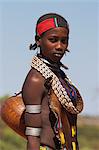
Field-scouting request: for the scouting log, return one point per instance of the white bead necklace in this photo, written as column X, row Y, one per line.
column 56, row 85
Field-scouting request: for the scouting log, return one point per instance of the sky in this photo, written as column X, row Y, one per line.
column 17, row 31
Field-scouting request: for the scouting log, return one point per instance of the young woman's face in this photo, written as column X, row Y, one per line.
column 54, row 43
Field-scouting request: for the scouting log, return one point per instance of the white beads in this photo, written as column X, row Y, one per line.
column 57, row 87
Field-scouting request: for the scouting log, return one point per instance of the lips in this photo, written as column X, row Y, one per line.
column 58, row 54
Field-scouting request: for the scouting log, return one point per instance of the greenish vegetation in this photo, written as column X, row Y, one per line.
column 88, row 136
column 9, row 140
column 3, row 98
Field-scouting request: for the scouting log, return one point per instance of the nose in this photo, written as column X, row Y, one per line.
column 59, row 46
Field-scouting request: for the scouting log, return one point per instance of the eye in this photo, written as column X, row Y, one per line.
column 64, row 41
column 53, row 39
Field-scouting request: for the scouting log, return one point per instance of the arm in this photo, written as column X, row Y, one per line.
column 33, row 92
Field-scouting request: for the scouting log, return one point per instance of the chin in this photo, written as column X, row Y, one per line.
column 56, row 60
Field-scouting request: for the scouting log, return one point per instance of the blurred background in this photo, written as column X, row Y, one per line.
column 17, row 30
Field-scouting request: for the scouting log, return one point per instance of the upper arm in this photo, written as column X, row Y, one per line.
column 33, row 88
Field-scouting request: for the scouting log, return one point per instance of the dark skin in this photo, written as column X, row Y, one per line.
column 53, row 45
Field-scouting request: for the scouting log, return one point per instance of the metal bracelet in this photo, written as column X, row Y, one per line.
column 32, row 131
column 33, row 108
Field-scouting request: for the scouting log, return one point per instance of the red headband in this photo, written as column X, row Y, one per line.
column 46, row 25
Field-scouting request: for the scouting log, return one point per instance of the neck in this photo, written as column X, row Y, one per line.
column 56, row 64
column 49, row 61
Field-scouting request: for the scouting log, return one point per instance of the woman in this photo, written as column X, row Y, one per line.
column 52, row 102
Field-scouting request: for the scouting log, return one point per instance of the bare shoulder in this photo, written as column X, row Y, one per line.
column 33, row 87
column 35, row 77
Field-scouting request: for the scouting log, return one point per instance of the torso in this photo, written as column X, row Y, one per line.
column 49, row 116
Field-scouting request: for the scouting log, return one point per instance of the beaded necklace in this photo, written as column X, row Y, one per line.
column 57, row 87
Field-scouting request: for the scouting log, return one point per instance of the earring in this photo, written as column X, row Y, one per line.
column 38, row 49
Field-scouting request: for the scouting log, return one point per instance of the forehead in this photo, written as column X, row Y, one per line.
column 59, row 31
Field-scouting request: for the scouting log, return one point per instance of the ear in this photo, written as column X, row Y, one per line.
column 38, row 40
